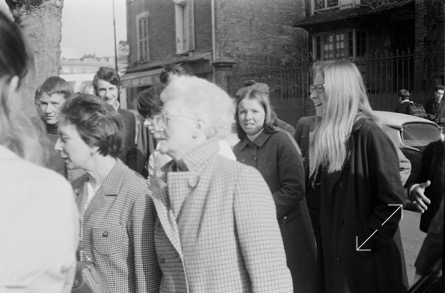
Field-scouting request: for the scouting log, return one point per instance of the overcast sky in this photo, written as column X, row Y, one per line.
column 87, row 26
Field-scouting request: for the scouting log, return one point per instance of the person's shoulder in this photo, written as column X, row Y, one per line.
column 307, row 120
column 280, row 136
column 34, row 178
column 368, row 126
column 134, row 180
column 126, row 114
column 228, row 167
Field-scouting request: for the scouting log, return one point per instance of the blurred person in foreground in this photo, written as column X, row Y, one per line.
column 107, row 86
column 276, row 156
column 116, row 213
column 38, row 217
column 357, row 185
column 49, row 98
column 216, row 229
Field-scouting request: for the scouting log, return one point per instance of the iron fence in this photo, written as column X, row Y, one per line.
column 384, row 75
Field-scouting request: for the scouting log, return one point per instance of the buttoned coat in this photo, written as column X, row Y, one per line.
column 118, row 231
column 216, row 229
column 278, row 160
column 358, row 219
column 129, row 152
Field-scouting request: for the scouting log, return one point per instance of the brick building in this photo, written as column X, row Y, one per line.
column 396, row 43
column 209, row 38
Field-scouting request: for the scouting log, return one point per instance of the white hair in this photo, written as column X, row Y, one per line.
column 204, row 100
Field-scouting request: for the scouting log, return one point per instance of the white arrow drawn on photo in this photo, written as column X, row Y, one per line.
column 358, row 248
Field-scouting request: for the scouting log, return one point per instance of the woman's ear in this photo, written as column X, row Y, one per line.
column 199, row 128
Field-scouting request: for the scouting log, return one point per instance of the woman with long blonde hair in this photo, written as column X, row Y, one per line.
column 357, row 185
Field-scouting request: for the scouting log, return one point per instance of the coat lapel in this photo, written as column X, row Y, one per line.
column 165, row 215
column 97, row 201
column 108, row 190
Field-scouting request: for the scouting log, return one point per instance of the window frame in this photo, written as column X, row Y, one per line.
column 184, row 26
column 340, row 49
column 143, row 56
column 325, row 5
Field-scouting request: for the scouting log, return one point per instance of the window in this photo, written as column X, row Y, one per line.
column 340, row 44
column 324, row 4
column 184, row 25
column 142, row 21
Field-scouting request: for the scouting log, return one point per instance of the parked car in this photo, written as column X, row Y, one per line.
column 411, row 134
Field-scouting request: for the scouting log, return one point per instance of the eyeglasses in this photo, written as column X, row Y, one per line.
column 164, row 117
column 319, row 88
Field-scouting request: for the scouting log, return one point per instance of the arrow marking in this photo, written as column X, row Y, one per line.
column 400, row 207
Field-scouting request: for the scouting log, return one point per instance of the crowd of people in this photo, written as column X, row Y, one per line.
column 214, row 194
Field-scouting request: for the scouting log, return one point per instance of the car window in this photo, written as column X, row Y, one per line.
column 419, row 134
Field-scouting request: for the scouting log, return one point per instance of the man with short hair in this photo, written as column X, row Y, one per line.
column 107, row 86
column 404, row 102
column 435, row 107
column 49, row 98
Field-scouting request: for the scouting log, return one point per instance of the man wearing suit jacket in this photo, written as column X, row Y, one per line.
column 107, row 85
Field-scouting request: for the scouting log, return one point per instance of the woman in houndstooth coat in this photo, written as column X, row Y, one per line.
column 117, row 215
column 216, row 229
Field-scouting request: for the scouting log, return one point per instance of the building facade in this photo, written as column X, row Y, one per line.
column 208, row 38
column 395, row 43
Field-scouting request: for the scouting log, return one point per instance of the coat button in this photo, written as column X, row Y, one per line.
column 105, row 234
column 254, row 158
column 285, row 218
column 338, row 260
column 342, row 184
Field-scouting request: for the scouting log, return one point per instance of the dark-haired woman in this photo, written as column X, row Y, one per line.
column 275, row 154
column 117, row 215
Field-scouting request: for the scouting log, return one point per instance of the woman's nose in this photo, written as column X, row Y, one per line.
column 58, row 145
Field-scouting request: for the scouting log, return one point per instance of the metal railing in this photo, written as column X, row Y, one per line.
column 384, row 75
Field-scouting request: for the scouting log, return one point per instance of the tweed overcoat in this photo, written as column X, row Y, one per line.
column 432, row 168
column 278, row 160
column 118, row 231
column 129, row 152
column 217, row 229
column 357, row 202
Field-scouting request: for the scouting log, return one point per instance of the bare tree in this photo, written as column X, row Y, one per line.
column 41, row 22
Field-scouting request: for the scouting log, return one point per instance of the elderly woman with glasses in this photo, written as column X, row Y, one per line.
column 216, row 229
column 116, row 213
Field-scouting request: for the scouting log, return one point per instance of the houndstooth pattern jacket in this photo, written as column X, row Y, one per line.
column 217, row 229
column 118, row 231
